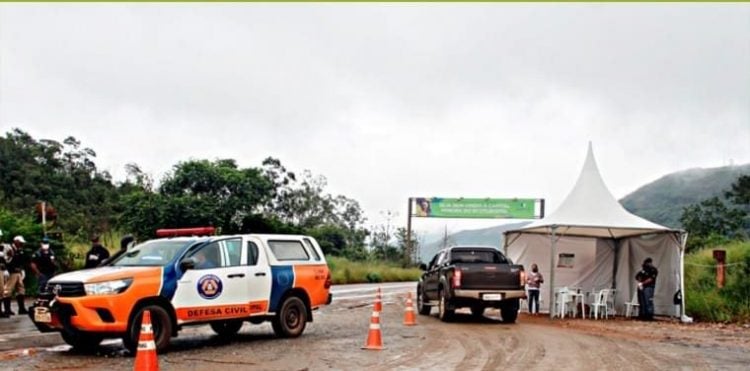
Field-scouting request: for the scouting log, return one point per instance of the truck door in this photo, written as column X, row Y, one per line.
column 223, row 284
column 432, row 276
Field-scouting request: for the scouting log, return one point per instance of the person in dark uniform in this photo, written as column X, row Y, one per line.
column 646, row 278
column 96, row 255
column 43, row 264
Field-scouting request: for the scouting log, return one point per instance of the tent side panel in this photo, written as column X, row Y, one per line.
column 665, row 252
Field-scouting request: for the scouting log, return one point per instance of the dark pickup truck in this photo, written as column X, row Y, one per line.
column 474, row 277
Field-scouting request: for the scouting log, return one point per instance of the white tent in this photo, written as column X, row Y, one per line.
column 592, row 242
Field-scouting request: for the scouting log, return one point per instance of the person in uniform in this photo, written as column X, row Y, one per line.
column 43, row 264
column 646, row 278
column 14, row 261
column 96, row 255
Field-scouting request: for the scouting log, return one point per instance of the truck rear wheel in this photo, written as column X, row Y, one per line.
column 444, row 313
column 422, row 307
column 80, row 340
column 291, row 319
column 226, row 329
column 161, row 323
column 509, row 311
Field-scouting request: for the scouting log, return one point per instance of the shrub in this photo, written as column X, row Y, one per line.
column 704, row 300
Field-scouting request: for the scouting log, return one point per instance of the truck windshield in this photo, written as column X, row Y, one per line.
column 152, row 253
column 477, row 257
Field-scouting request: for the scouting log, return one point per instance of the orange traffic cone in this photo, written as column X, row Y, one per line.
column 374, row 337
column 145, row 357
column 378, row 306
column 409, row 317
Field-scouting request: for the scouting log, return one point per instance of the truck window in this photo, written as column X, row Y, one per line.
column 234, row 251
column 442, row 259
column 252, row 253
column 288, row 250
column 312, row 248
column 207, row 256
column 477, row 257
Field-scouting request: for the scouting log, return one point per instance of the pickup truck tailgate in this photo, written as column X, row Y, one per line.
column 490, row 276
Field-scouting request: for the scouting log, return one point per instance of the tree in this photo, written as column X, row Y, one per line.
column 740, row 192
column 199, row 193
column 62, row 174
column 711, row 219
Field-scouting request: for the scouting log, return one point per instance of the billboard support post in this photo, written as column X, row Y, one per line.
column 409, row 245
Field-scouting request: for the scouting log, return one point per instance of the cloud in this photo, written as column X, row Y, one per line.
column 389, row 100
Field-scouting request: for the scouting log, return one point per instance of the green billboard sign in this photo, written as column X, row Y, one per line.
column 490, row 208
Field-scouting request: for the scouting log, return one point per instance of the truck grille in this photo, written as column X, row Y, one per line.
column 66, row 289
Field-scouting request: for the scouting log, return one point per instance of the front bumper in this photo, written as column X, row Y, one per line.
column 86, row 313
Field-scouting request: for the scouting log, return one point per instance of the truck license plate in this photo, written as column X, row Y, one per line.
column 492, row 297
column 42, row 315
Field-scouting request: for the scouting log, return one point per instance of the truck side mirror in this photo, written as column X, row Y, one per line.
column 423, row 266
column 187, row 263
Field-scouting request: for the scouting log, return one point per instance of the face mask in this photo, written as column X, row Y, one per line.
column 45, row 246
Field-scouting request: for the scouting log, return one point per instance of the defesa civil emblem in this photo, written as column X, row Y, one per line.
column 209, row 286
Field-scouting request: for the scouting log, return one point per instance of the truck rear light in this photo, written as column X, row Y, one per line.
column 457, row 278
column 327, row 284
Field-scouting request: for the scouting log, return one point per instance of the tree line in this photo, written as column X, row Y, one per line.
column 719, row 220
column 83, row 200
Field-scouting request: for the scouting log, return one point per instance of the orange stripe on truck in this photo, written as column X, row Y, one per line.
column 193, row 314
column 146, row 283
column 312, row 279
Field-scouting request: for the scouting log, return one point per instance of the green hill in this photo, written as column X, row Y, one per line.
column 662, row 201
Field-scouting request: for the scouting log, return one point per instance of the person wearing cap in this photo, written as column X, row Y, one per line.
column 43, row 264
column 96, row 255
column 646, row 278
column 15, row 264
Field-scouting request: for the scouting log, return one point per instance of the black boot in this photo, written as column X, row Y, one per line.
column 6, row 307
column 21, row 304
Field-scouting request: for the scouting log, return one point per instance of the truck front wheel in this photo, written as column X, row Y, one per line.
column 422, row 306
column 509, row 311
column 291, row 319
column 160, row 322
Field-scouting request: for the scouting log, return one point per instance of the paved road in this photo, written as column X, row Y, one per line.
column 334, row 339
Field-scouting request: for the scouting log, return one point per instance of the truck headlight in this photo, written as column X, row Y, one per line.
column 108, row 287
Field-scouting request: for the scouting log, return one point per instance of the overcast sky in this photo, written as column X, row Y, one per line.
column 389, row 101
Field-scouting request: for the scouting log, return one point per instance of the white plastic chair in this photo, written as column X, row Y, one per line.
column 633, row 303
column 601, row 302
column 562, row 300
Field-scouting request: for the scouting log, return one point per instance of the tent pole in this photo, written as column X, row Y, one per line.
column 552, row 275
column 616, row 262
column 683, row 244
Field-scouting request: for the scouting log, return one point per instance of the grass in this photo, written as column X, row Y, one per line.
column 345, row 271
column 704, row 300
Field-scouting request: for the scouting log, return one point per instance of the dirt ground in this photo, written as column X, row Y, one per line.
column 334, row 340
